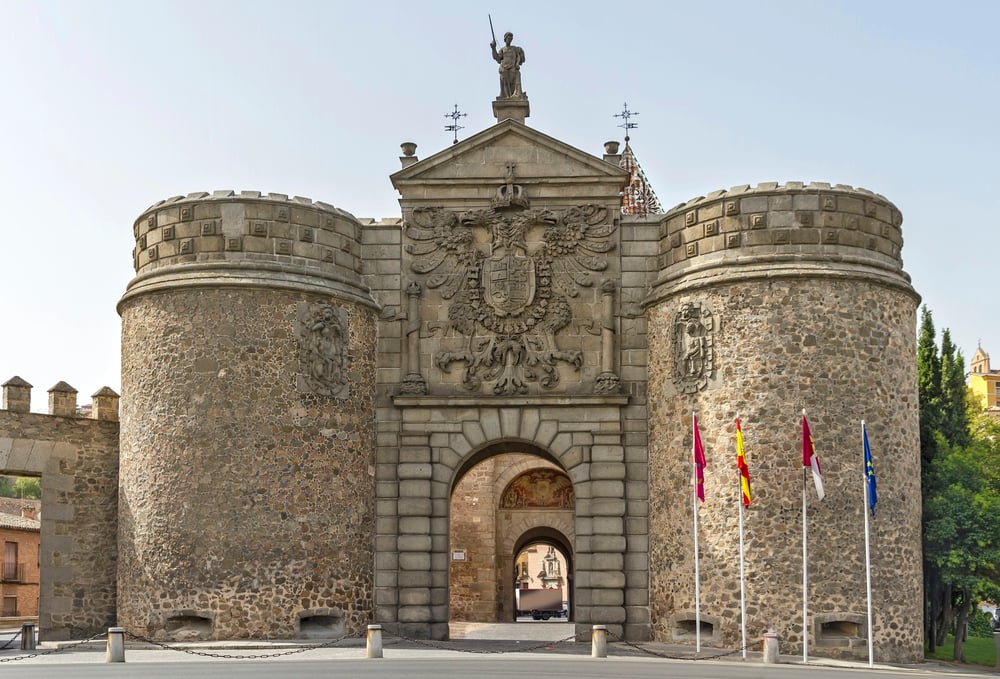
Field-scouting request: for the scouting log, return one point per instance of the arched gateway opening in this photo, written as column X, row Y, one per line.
column 511, row 535
column 447, row 539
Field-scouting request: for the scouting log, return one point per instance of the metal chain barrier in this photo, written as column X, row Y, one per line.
column 668, row 656
column 231, row 656
column 54, row 650
column 442, row 647
column 10, row 641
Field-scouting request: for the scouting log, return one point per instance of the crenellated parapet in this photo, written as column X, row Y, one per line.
column 774, row 229
column 61, row 402
column 248, row 239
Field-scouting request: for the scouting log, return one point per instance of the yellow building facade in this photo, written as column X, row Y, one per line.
column 985, row 383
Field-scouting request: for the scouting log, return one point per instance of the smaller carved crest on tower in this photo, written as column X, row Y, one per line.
column 694, row 347
column 322, row 334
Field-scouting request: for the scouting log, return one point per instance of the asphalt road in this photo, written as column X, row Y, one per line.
column 435, row 664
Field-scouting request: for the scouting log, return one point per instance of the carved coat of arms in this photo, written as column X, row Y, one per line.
column 694, row 347
column 322, row 333
column 509, row 298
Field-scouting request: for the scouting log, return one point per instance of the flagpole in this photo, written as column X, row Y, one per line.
column 743, row 597
column 805, row 576
column 694, row 509
column 868, row 554
column 805, row 569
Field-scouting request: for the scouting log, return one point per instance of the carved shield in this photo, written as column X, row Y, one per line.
column 509, row 282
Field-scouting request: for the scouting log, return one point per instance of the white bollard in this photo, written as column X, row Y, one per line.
column 599, row 642
column 771, row 643
column 116, row 645
column 373, row 648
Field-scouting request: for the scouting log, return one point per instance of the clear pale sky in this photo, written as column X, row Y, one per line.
column 109, row 107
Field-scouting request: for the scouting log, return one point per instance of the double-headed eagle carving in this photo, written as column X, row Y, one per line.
column 510, row 295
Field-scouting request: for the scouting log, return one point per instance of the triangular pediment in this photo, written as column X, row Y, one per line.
column 485, row 156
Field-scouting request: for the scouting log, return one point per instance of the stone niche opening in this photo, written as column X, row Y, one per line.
column 322, row 623
column 189, row 625
column 841, row 629
column 685, row 628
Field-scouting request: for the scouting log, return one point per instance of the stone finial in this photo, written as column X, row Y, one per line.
column 62, row 400
column 16, row 395
column 611, row 154
column 409, row 154
column 105, row 405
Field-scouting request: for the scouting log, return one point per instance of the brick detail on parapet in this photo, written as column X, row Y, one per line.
column 782, row 227
column 249, row 225
column 226, row 229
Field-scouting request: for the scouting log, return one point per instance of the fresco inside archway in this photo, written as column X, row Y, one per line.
column 539, row 489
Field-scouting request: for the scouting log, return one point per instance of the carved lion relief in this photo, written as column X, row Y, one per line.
column 321, row 331
column 694, row 347
column 510, row 296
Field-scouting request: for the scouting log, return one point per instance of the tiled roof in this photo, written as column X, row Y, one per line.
column 18, row 522
column 639, row 198
column 13, row 505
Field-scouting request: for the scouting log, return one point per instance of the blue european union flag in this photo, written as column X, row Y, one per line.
column 869, row 471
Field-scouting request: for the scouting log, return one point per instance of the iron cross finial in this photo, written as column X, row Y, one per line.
column 625, row 115
column 454, row 127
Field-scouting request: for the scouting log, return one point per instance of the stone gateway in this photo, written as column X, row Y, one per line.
column 328, row 422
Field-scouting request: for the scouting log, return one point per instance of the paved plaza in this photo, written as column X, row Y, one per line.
column 476, row 649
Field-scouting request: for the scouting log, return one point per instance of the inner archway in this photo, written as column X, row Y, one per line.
column 543, row 577
column 500, row 505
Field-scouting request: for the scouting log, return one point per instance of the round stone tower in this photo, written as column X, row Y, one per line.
column 248, row 369
column 770, row 301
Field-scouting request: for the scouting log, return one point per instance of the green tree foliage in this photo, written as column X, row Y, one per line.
column 962, row 522
column 960, row 484
column 928, row 385
column 22, row 487
column 929, row 392
column 954, row 396
column 28, row 488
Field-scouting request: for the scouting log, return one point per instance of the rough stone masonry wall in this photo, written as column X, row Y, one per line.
column 247, row 494
column 813, row 317
column 77, row 460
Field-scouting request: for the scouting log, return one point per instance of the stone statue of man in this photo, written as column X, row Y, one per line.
column 510, row 57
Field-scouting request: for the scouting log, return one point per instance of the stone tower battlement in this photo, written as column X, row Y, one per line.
column 271, row 239
column 767, row 302
column 781, row 229
column 249, row 328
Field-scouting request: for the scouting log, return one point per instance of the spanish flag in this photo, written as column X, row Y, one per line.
column 741, row 464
